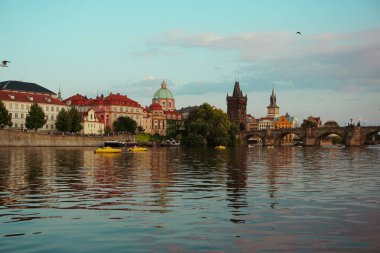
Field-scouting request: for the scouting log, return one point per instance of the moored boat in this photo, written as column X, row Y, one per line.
column 136, row 149
column 220, row 147
column 108, row 150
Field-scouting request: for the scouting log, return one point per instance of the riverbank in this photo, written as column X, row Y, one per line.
column 9, row 138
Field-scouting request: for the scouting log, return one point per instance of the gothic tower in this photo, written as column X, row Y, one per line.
column 273, row 109
column 237, row 107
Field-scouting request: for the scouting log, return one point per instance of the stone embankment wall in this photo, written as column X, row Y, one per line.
column 22, row 139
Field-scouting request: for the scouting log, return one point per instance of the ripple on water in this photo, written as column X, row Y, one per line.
column 183, row 200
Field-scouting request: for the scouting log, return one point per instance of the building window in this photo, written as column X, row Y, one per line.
column 47, row 127
column 10, row 105
column 52, row 117
column 52, row 109
column 15, row 124
column 16, row 115
column 170, row 104
column 47, row 108
column 52, row 126
column 22, row 106
column 22, row 115
column 57, row 109
column 16, row 106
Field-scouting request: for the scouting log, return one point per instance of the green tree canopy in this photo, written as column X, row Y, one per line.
column 69, row 121
column 35, row 118
column 5, row 116
column 125, row 124
column 172, row 128
column 75, row 120
column 207, row 125
column 63, row 122
column 308, row 124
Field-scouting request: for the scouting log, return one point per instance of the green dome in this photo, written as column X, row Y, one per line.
column 163, row 93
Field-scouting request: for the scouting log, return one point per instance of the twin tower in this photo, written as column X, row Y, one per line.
column 237, row 107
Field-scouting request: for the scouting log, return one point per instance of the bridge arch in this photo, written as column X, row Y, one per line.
column 254, row 139
column 327, row 133
column 295, row 135
column 371, row 136
column 248, row 135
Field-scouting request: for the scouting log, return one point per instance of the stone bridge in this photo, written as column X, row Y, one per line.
column 352, row 135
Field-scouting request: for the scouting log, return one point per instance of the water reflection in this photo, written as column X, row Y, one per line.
column 237, row 181
column 191, row 199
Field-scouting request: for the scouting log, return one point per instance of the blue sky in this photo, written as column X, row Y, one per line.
column 199, row 48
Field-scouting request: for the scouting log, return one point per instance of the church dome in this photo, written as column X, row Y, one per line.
column 163, row 92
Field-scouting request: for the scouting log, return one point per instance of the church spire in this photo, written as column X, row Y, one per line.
column 273, row 99
column 59, row 93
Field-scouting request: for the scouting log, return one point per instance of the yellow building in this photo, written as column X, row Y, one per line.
column 286, row 122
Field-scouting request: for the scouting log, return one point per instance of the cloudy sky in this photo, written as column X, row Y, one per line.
column 200, row 47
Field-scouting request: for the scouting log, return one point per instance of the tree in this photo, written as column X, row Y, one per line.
column 140, row 129
column 172, row 128
column 75, row 120
column 35, row 118
column 207, row 125
column 63, row 122
column 5, row 116
column 232, row 132
column 125, row 124
column 69, row 121
column 308, row 124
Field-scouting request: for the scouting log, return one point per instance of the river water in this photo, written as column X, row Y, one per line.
column 286, row 199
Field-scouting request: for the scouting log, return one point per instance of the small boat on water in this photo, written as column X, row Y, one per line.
column 137, row 149
column 270, row 147
column 108, row 150
column 220, row 147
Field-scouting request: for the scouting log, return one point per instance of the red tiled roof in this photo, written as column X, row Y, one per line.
column 172, row 112
column 112, row 99
column 155, row 106
column 117, row 99
column 76, row 100
column 26, row 97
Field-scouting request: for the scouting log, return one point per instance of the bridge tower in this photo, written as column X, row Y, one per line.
column 237, row 107
column 273, row 109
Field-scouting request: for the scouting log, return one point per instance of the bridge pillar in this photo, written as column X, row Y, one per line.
column 268, row 140
column 353, row 136
column 310, row 138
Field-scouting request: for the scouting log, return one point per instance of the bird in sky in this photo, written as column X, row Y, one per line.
column 298, row 33
column 4, row 63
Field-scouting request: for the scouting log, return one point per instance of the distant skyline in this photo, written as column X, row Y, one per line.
column 199, row 47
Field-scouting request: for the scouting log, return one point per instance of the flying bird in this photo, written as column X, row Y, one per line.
column 298, row 33
column 4, row 63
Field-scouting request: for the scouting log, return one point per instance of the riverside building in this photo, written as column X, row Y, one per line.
column 158, row 118
column 18, row 96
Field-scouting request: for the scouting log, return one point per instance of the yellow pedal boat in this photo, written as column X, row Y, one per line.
column 108, row 150
column 136, row 149
column 220, row 147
